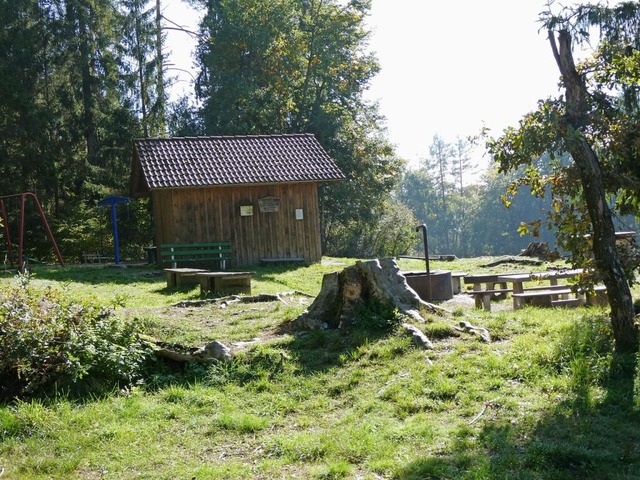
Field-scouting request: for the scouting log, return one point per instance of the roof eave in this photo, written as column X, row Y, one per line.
column 261, row 184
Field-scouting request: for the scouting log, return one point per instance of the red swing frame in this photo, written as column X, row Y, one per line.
column 7, row 236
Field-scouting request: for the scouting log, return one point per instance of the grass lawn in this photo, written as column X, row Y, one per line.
column 538, row 402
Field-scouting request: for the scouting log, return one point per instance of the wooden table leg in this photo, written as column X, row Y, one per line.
column 518, row 287
column 205, row 284
column 486, row 301
column 476, row 288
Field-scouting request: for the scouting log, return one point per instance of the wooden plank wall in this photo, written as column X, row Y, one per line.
column 213, row 214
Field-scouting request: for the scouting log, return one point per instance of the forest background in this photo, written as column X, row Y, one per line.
column 79, row 79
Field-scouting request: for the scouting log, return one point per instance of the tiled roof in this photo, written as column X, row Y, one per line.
column 212, row 161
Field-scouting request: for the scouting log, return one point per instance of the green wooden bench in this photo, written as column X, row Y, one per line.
column 178, row 253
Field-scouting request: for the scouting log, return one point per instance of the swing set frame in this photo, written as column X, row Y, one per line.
column 7, row 236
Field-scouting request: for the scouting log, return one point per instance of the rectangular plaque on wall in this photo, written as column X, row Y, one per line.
column 246, row 210
column 269, row 204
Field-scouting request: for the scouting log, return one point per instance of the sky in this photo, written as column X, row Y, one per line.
column 447, row 67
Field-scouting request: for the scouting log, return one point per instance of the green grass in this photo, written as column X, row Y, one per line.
column 555, row 402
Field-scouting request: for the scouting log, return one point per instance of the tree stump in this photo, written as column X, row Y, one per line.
column 343, row 292
column 537, row 249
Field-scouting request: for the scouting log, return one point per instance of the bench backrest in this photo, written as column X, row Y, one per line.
column 165, row 248
column 196, row 252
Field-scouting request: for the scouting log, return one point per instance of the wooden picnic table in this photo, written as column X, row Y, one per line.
column 489, row 280
column 519, row 279
column 482, row 295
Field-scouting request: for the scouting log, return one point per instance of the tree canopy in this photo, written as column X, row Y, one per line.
column 302, row 66
column 78, row 80
column 596, row 121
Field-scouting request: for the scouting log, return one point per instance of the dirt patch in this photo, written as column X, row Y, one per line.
column 466, row 302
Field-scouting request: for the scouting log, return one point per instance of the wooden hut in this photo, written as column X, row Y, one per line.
column 258, row 192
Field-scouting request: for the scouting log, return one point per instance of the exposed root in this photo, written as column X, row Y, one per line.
column 263, row 297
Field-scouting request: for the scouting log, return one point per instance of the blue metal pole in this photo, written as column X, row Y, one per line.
column 116, row 247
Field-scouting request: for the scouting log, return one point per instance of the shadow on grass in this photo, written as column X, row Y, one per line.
column 135, row 273
column 98, row 274
column 287, row 353
column 588, row 435
column 169, row 291
column 115, row 275
column 321, row 350
column 308, row 353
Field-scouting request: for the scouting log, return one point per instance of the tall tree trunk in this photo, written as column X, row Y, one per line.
column 141, row 70
column 160, row 123
column 607, row 260
column 313, row 13
column 88, row 100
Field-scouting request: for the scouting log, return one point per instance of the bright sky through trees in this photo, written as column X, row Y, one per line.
column 447, row 67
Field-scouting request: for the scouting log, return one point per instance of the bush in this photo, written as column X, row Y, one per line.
column 51, row 344
column 389, row 234
column 376, row 315
column 88, row 228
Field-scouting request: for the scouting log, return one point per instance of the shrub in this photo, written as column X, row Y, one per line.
column 391, row 232
column 51, row 344
column 377, row 315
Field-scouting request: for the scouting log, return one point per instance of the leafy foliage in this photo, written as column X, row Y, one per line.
column 52, row 345
column 611, row 74
column 596, row 122
column 79, row 80
column 375, row 315
column 471, row 219
column 302, row 66
column 390, row 234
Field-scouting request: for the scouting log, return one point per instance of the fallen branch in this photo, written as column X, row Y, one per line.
column 263, row 297
column 197, row 303
column 519, row 260
column 296, row 292
column 481, row 332
column 484, row 409
column 211, row 351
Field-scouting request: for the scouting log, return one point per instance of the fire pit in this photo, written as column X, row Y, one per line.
column 435, row 285
column 430, row 285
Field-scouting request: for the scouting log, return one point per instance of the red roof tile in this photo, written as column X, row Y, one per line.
column 210, row 161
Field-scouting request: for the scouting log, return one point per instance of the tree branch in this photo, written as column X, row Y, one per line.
column 554, row 49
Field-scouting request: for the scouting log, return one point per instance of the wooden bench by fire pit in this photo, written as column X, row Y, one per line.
column 182, row 277
column 225, row 283
column 559, row 297
column 483, row 297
